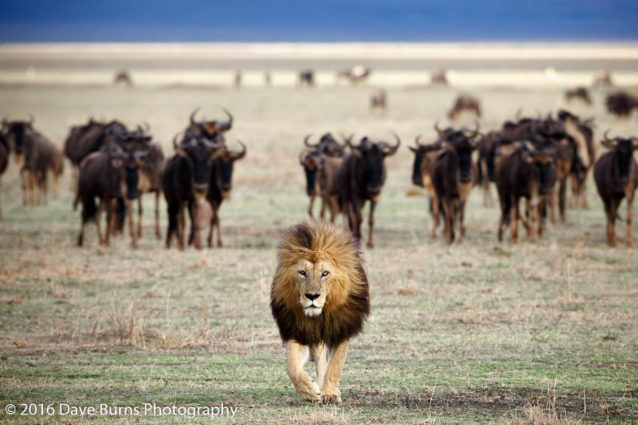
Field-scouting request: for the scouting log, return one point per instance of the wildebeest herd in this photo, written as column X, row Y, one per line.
column 528, row 158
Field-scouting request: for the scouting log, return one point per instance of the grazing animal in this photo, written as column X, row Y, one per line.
column 360, row 178
column 185, row 181
column 528, row 172
column 603, row 79
column 307, row 77
column 238, row 79
column 439, row 77
column 379, row 100
column 424, row 156
column 220, row 185
column 616, row 177
column 5, row 151
column 319, row 299
column 465, row 103
column 110, row 175
column 579, row 93
column 123, row 77
column 452, row 177
column 356, row 74
column 621, row 104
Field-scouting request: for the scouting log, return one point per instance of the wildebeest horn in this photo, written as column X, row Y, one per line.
column 519, row 111
column 417, row 141
column 474, row 133
column 391, row 150
column 240, row 154
column 306, row 141
column 175, row 141
column 192, row 117
column 229, row 123
column 347, row 141
column 146, row 126
column 438, row 130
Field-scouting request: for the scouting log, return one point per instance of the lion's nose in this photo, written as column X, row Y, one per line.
column 312, row 297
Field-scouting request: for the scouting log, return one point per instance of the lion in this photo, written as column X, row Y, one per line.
column 319, row 299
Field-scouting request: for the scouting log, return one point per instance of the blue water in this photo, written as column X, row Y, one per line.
column 318, row 20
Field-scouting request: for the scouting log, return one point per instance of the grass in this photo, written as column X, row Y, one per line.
column 474, row 333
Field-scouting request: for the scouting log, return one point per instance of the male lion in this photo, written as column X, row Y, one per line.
column 319, row 299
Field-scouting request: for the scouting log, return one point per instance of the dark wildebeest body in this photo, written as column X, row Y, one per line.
column 361, row 176
column 465, row 103
column 616, row 177
column 307, row 77
column 621, row 104
column 424, row 157
column 439, row 77
column 579, row 93
column 379, row 100
column 528, row 172
column 123, row 77
column 5, row 151
column 185, row 182
column 150, row 181
column 452, row 177
column 221, row 177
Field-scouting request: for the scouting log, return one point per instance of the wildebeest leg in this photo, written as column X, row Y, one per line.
column 194, row 236
column 322, row 214
column 610, row 211
column 356, row 206
column 211, row 227
column 24, row 177
column 181, row 228
column 630, row 201
column 562, row 195
column 219, row 230
column 574, row 184
column 504, row 212
column 583, row 191
column 534, row 207
column 106, row 204
column 158, row 231
column 334, row 208
column 371, row 224
column 448, row 216
column 462, row 220
column 139, row 216
column 44, row 186
column 312, row 202
column 56, row 185
column 436, row 211
column 173, row 224
column 131, row 222
column 514, row 221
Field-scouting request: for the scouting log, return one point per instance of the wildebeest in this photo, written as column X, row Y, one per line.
column 4, row 158
column 379, row 100
column 356, row 74
column 621, row 104
column 150, row 181
column 616, row 177
column 579, row 93
column 465, row 103
column 603, row 79
column 219, row 187
column 123, row 77
column 41, row 158
column 452, row 176
column 237, row 79
column 210, row 129
column 111, row 175
column 528, row 172
column 361, row 176
column 327, row 145
column 439, row 77
column 424, row 156
column 185, row 181
column 307, row 77
column 267, row 79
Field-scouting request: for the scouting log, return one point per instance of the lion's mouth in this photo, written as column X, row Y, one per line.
column 312, row 310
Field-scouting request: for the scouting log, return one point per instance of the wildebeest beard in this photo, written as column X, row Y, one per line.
column 132, row 179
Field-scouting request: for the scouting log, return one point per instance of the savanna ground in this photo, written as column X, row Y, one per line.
column 480, row 332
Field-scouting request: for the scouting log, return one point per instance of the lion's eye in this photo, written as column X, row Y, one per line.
column 325, row 273
column 302, row 272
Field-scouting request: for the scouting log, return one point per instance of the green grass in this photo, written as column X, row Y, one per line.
column 480, row 332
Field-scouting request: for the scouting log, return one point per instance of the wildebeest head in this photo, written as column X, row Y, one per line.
column 15, row 132
column 210, row 129
column 464, row 142
column 420, row 165
column 135, row 146
column 373, row 155
column 623, row 149
column 327, row 145
column 200, row 152
column 311, row 161
column 224, row 168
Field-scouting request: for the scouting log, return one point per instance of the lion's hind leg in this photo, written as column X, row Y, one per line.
column 330, row 389
column 297, row 355
column 319, row 356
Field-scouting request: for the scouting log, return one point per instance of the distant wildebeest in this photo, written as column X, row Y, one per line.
column 185, row 182
column 379, row 100
column 424, row 156
column 439, row 77
column 361, row 176
column 267, row 79
column 603, row 79
column 579, row 93
column 621, row 104
column 238, row 78
column 41, row 157
column 111, row 175
column 5, row 151
column 616, row 177
column 210, row 129
column 465, row 103
column 123, row 77
column 220, row 185
column 528, row 172
column 356, row 74
column 307, row 77
column 452, row 177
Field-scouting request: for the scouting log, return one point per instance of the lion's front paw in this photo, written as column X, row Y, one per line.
column 330, row 397
column 310, row 391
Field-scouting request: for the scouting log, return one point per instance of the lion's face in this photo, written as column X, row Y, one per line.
column 314, row 283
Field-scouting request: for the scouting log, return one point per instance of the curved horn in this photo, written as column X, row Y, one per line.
column 306, row 143
column 391, row 150
column 347, row 141
column 438, row 130
column 417, row 141
column 192, row 117
column 229, row 123
column 240, row 154
column 175, row 141
column 475, row 132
